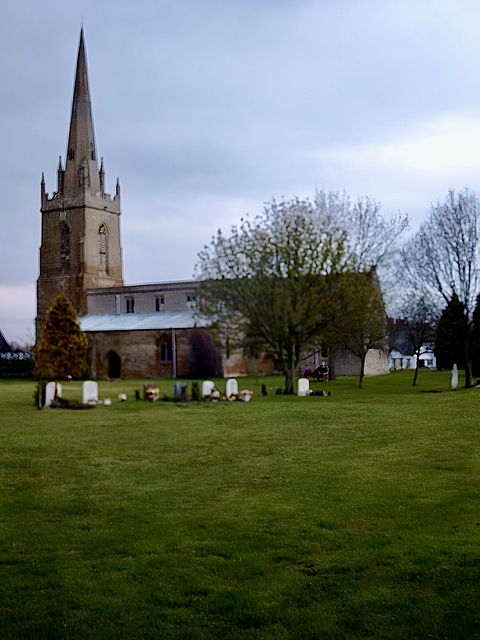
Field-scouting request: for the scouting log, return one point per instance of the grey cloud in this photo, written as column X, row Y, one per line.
column 200, row 107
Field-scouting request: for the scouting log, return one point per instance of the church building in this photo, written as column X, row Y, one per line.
column 150, row 330
column 133, row 331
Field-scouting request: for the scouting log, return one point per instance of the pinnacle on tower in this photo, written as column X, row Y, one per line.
column 81, row 169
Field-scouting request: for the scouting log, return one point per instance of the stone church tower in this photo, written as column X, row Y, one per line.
column 80, row 246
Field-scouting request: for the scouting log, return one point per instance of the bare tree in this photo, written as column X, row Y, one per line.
column 419, row 320
column 442, row 260
column 370, row 239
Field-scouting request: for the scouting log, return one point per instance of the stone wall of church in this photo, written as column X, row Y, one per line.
column 346, row 364
column 151, row 354
column 237, row 364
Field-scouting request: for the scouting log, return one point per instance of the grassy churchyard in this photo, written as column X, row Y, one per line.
column 353, row 516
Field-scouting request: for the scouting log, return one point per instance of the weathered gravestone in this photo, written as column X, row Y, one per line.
column 50, row 393
column 232, row 387
column 454, row 377
column 90, row 392
column 303, row 387
column 179, row 389
column 207, row 388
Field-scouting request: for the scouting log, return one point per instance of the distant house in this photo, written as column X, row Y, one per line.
column 398, row 360
column 4, row 346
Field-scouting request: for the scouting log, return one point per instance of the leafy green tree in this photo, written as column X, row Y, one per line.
column 62, row 350
column 266, row 283
column 271, row 284
column 453, row 342
column 361, row 322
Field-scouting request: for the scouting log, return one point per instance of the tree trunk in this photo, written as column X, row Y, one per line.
column 290, row 370
column 290, row 375
column 417, row 365
column 468, row 362
column 288, row 382
column 467, row 349
column 331, row 364
column 468, row 374
column 362, row 369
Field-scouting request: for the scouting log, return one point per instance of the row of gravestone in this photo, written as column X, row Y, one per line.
column 208, row 388
column 89, row 393
column 303, row 388
column 90, row 390
column 231, row 393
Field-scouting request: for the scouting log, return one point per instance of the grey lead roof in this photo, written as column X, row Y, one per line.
column 142, row 321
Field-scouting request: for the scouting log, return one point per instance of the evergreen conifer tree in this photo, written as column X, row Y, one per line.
column 62, row 351
column 452, row 336
column 476, row 338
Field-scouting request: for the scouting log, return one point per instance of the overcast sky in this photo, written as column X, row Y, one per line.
column 206, row 109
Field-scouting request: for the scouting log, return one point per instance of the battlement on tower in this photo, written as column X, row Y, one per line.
column 99, row 201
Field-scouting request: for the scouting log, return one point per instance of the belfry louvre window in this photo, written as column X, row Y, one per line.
column 102, row 250
column 130, row 304
column 65, row 247
column 160, row 304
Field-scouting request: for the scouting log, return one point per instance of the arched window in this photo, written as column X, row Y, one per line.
column 65, row 247
column 102, row 250
column 166, row 351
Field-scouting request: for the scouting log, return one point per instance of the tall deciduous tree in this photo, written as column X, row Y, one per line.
column 419, row 321
column 62, row 351
column 270, row 282
column 361, row 324
column 442, row 260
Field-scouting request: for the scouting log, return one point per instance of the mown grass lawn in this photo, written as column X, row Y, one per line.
column 353, row 516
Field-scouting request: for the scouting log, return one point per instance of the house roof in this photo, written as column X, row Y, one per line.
column 188, row 319
column 4, row 346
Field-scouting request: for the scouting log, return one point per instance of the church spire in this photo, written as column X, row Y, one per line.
column 81, row 169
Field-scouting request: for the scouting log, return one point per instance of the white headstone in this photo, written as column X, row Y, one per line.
column 303, row 388
column 90, row 392
column 232, row 387
column 50, row 393
column 454, row 377
column 207, row 388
